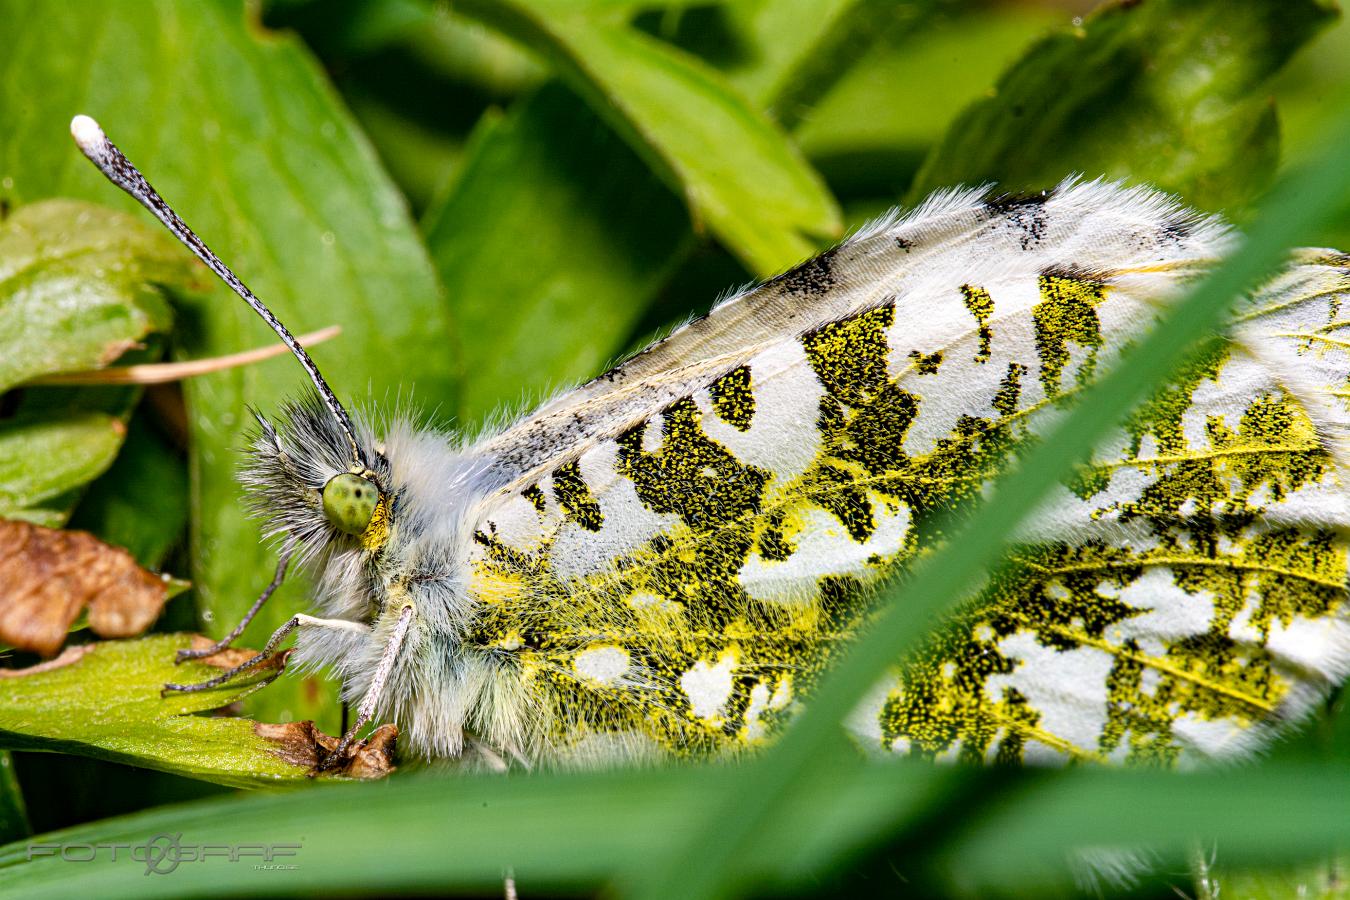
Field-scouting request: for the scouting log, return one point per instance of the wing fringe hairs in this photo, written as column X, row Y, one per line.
column 663, row 560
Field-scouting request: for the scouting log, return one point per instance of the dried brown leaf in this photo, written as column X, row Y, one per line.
column 301, row 744
column 48, row 576
column 231, row 657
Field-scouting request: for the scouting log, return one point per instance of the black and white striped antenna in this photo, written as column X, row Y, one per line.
column 119, row 170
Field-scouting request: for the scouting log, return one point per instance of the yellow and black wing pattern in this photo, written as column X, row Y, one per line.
column 685, row 543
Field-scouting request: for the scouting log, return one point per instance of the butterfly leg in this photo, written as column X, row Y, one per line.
column 366, row 711
column 184, row 655
column 270, row 648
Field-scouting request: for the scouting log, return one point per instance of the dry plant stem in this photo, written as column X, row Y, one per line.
column 184, row 655
column 164, row 373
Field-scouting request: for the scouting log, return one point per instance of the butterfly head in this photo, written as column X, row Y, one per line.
column 303, row 479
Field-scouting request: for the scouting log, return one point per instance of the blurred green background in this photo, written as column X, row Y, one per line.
column 497, row 199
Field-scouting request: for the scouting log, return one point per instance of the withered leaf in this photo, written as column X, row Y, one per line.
column 301, row 744
column 230, row 657
column 47, row 577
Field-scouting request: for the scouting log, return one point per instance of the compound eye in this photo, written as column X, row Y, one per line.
column 349, row 502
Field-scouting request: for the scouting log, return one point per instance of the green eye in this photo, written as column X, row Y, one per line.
column 349, row 502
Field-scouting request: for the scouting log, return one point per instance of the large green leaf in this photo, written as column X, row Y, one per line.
column 739, row 174
column 1164, row 91
column 239, row 129
column 534, row 252
column 106, row 704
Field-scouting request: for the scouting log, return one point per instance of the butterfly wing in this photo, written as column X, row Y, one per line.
column 684, row 546
column 1185, row 595
column 953, row 237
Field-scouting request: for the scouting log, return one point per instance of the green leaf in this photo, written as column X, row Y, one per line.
column 239, row 130
column 871, row 133
column 417, row 76
column 350, row 26
column 792, row 67
column 1167, row 92
column 613, row 9
column 738, row 173
column 78, row 287
column 44, row 460
column 533, row 252
column 552, row 250
column 106, row 704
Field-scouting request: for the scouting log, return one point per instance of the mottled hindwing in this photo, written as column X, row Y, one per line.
column 682, row 544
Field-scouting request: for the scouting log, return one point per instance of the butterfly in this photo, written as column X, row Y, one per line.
column 663, row 561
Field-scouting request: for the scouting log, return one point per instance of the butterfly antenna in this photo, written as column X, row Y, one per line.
column 119, row 170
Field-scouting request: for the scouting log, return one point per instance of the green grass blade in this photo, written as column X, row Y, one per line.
column 988, row 832
column 13, row 812
column 1261, row 815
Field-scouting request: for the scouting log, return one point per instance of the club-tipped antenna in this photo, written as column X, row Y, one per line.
column 119, row 170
